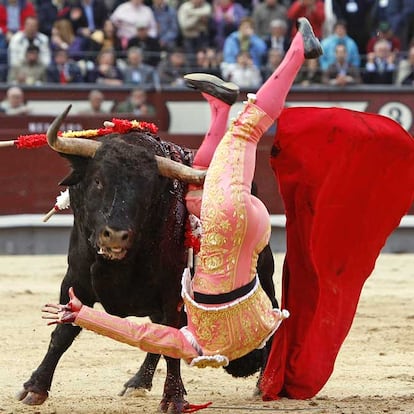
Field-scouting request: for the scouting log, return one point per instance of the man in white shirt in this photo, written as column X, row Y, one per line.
column 128, row 15
column 30, row 35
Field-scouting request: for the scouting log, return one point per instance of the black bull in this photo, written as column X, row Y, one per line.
column 127, row 252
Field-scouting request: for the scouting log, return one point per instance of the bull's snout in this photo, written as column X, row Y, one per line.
column 113, row 244
column 115, row 237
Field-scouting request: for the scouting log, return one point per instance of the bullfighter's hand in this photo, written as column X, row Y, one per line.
column 59, row 314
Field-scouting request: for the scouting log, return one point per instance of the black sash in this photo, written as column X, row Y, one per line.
column 224, row 297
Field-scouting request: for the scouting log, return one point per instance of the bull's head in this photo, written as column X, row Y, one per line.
column 113, row 190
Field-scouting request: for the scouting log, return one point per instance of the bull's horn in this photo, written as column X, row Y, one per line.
column 87, row 148
column 75, row 146
column 173, row 169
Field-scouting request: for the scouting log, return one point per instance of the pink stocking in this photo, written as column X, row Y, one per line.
column 272, row 94
column 218, row 125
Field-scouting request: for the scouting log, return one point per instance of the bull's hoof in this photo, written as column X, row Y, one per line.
column 173, row 407
column 31, row 397
column 130, row 392
column 257, row 392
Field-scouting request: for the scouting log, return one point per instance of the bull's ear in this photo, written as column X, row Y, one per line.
column 78, row 165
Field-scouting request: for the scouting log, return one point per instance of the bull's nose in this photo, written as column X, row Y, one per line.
column 113, row 236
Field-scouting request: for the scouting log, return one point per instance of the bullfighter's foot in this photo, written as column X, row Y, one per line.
column 32, row 398
column 214, row 86
column 313, row 48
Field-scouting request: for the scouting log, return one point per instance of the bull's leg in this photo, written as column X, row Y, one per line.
column 173, row 400
column 265, row 355
column 142, row 380
column 173, row 395
column 265, row 271
column 35, row 390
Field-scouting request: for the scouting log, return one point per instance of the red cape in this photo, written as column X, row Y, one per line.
column 347, row 179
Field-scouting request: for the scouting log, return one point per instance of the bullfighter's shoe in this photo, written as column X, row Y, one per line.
column 313, row 48
column 212, row 85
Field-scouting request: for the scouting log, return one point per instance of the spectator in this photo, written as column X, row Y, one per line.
column 136, row 104
column 207, row 61
column 105, row 71
column 227, row 15
column 380, row 66
column 378, row 13
column 138, row 73
column 309, row 74
column 63, row 37
column 405, row 71
column 313, row 10
column 13, row 14
column 150, row 46
column 103, row 39
column 278, row 37
column 250, row 4
column 31, row 71
column 95, row 99
column 4, row 68
column 357, row 15
column 128, row 15
column 244, row 40
column 264, row 13
column 194, row 22
column 113, row 4
column 384, row 31
column 273, row 59
column 400, row 14
column 166, row 18
column 172, row 70
column 244, row 73
column 47, row 13
column 339, row 36
column 63, row 70
column 28, row 36
column 86, row 16
column 14, row 104
column 341, row 73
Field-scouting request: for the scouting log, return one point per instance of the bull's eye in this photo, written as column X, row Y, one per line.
column 98, row 183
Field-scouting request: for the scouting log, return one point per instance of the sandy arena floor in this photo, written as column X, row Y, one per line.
column 374, row 372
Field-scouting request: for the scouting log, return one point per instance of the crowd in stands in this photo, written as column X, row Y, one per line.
column 151, row 44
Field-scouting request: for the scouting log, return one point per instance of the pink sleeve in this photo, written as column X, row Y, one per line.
column 149, row 337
